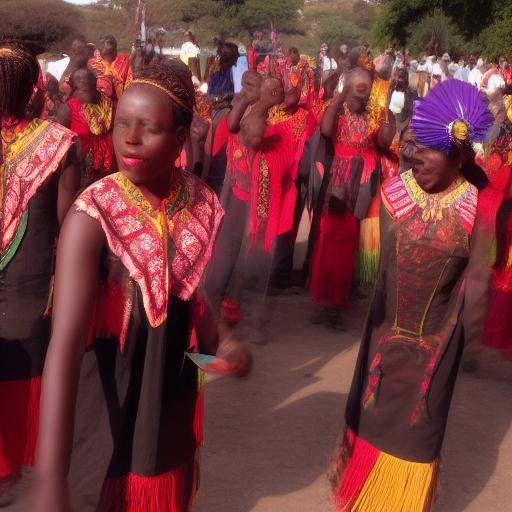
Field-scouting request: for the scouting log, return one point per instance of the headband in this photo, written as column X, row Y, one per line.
column 154, row 83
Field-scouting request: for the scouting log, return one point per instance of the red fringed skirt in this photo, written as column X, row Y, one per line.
column 19, row 423
column 334, row 259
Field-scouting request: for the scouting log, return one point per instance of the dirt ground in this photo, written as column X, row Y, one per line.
column 269, row 438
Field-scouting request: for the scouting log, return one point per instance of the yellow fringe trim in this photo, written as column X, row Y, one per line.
column 369, row 249
column 369, row 235
column 395, row 485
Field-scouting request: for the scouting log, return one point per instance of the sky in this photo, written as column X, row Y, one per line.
column 80, row 2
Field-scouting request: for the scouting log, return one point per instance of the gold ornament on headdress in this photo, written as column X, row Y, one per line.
column 459, row 130
column 147, row 81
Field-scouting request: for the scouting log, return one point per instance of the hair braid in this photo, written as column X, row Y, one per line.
column 176, row 78
column 19, row 71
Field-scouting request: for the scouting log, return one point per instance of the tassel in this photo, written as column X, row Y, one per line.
column 19, row 424
column 230, row 312
column 199, row 412
column 369, row 250
column 373, row 480
column 170, row 492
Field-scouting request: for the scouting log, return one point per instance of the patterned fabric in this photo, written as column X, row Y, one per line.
column 118, row 72
column 27, row 163
column 137, row 234
column 402, row 195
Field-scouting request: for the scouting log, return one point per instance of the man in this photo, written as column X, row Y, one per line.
column 343, row 60
column 79, row 53
column 111, row 66
column 221, row 87
column 462, row 72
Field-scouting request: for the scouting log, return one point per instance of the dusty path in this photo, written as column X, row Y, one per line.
column 268, row 439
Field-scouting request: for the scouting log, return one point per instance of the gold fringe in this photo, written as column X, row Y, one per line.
column 369, row 249
column 395, row 485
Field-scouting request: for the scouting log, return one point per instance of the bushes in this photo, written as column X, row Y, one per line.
column 45, row 23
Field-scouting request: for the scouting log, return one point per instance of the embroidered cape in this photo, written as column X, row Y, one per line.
column 27, row 164
column 138, row 235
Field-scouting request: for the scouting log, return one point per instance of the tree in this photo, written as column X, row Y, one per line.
column 44, row 23
column 436, row 31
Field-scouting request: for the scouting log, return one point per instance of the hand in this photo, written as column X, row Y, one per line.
column 234, row 358
column 49, row 495
column 199, row 129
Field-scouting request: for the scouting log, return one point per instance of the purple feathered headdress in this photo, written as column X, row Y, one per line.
column 454, row 112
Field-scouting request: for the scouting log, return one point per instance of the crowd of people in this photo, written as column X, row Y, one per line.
column 175, row 207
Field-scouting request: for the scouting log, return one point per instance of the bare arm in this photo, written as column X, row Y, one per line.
column 69, row 183
column 240, row 105
column 78, row 257
column 330, row 117
column 387, row 131
column 252, row 128
column 63, row 116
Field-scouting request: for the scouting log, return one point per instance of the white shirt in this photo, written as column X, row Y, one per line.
column 189, row 51
column 475, row 77
column 329, row 64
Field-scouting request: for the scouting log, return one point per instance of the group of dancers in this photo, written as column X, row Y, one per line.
column 103, row 344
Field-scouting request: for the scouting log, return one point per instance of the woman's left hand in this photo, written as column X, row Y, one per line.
column 233, row 358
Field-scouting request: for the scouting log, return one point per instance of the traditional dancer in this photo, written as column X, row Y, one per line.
column 437, row 229
column 89, row 114
column 39, row 179
column 131, row 255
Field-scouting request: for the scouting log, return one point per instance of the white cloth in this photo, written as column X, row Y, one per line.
column 438, row 71
column 189, row 51
column 58, row 67
column 462, row 74
column 329, row 64
column 475, row 77
column 397, row 103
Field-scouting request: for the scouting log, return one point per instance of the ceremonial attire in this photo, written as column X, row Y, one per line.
column 118, row 73
column 426, row 305
column 140, row 454
column 92, row 123
column 497, row 162
column 348, row 191
column 28, row 226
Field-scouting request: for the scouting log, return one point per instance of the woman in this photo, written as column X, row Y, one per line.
column 497, row 161
column 39, row 182
column 429, row 301
column 357, row 132
column 131, row 255
column 89, row 114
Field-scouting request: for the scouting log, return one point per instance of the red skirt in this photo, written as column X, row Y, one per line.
column 498, row 328
column 19, row 422
column 334, row 259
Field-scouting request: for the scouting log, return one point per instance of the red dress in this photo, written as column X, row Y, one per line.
column 92, row 123
column 348, row 194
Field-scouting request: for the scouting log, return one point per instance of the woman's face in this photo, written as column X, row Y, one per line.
column 84, row 81
column 432, row 170
column 145, row 139
column 359, row 87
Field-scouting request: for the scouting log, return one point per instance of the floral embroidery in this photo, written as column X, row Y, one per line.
column 138, row 235
column 403, row 194
column 263, row 191
column 28, row 162
column 98, row 115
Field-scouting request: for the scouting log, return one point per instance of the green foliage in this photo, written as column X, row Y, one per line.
column 44, row 22
column 436, row 31
column 470, row 22
column 338, row 30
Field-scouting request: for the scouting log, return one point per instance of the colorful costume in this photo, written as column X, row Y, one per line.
column 28, row 226
column 347, row 195
column 135, row 381
column 430, row 299
column 118, row 73
column 497, row 162
column 92, row 123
